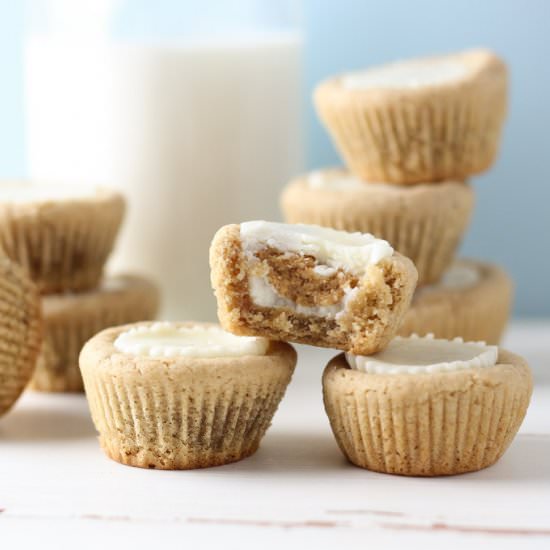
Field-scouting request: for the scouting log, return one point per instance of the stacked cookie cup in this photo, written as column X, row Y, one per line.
column 411, row 405
column 192, row 395
column 60, row 238
column 411, row 134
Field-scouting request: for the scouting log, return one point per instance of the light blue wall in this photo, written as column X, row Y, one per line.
column 511, row 224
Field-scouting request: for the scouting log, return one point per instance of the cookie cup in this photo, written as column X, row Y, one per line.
column 424, row 222
column 408, row 134
column 182, row 412
column 427, row 424
column 479, row 311
column 20, row 331
column 70, row 320
column 364, row 325
column 61, row 242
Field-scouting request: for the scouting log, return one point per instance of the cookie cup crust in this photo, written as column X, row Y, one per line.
column 478, row 312
column 70, row 320
column 418, row 134
column 427, row 424
column 423, row 222
column 62, row 244
column 20, row 331
column 182, row 412
column 367, row 325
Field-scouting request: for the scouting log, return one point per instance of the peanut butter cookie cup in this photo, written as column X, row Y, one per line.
column 60, row 234
column 20, row 331
column 182, row 395
column 427, row 407
column 310, row 284
column 421, row 120
column 424, row 222
column 473, row 301
column 70, row 320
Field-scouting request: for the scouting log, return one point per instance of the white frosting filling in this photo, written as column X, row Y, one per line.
column 324, row 270
column 457, row 277
column 414, row 355
column 334, row 181
column 414, row 73
column 113, row 284
column 353, row 252
column 460, row 276
column 264, row 295
column 340, row 180
column 165, row 339
column 21, row 193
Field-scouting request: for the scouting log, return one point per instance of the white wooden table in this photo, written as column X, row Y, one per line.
column 58, row 490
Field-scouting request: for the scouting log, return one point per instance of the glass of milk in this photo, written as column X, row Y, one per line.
column 192, row 109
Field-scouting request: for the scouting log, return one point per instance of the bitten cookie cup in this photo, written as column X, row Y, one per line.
column 311, row 285
column 72, row 319
column 424, row 222
column 473, row 301
column 61, row 235
column 20, row 331
column 420, row 120
column 158, row 405
column 435, row 423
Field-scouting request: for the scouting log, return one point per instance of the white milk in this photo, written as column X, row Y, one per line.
column 196, row 136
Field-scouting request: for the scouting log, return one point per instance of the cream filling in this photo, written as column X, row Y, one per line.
column 354, row 252
column 334, row 181
column 324, row 270
column 164, row 339
column 460, row 276
column 264, row 295
column 415, row 355
column 413, row 73
column 340, row 180
column 457, row 277
column 24, row 192
column 115, row 283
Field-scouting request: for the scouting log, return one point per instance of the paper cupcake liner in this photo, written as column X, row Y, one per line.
column 424, row 223
column 478, row 312
column 178, row 418
column 427, row 425
column 20, row 332
column 62, row 245
column 417, row 135
column 72, row 319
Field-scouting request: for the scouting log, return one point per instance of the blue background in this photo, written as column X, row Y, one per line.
column 511, row 223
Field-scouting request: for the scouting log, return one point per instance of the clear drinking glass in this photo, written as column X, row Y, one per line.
column 192, row 109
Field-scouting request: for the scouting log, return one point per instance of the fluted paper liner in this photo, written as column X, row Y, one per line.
column 425, row 133
column 72, row 319
column 184, row 413
column 424, row 222
column 20, row 331
column 62, row 245
column 427, row 424
column 477, row 312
